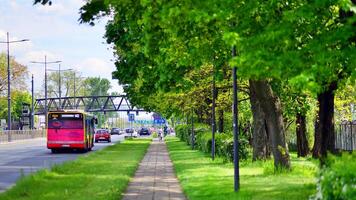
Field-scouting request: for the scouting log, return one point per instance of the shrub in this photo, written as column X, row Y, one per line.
column 337, row 179
column 224, row 143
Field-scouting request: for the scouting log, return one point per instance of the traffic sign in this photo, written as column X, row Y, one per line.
column 131, row 117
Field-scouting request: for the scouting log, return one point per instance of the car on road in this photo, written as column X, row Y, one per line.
column 102, row 135
column 130, row 132
column 144, row 131
column 115, row 131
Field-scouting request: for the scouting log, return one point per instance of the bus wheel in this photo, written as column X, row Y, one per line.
column 54, row 150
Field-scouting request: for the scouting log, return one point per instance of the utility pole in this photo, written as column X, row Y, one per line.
column 192, row 136
column 213, row 123
column 32, row 104
column 75, row 103
column 45, row 64
column 59, row 85
column 9, row 78
column 235, row 126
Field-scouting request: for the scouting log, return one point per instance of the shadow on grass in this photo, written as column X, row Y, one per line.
column 202, row 178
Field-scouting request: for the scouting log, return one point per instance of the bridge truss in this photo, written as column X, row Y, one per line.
column 86, row 103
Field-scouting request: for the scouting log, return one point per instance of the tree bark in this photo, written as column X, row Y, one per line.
column 271, row 107
column 302, row 141
column 325, row 130
column 259, row 134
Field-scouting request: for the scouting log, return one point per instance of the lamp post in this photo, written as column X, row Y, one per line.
column 75, row 103
column 32, row 104
column 45, row 64
column 8, row 77
column 59, row 82
column 235, row 126
column 213, row 121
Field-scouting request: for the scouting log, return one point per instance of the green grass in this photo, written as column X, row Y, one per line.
column 100, row 175
column 202, row 178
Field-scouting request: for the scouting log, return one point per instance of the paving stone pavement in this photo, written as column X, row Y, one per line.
column 155, row 178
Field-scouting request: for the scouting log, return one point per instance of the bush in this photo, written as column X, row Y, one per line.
column 337, row 180
column 224, row 143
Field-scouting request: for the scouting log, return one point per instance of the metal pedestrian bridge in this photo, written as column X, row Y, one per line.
column 87, row 103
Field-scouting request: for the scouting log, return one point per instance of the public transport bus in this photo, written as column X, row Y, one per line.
column 70, row 130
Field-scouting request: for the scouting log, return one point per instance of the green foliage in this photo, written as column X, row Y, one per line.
column 337, row 179
column 17, row 98
column 202, row 178
column 97, row 86
column 224, row 143
column 18, row 74
column 345, row 96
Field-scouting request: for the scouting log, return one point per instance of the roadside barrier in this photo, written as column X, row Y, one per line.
column 345, row 136
column 13, row 135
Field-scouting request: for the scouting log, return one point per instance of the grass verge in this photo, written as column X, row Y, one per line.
column 100, row 175
column 202, row 178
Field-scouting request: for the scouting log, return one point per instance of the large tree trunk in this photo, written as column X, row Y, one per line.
column 259, row 134
column 317, row 139
column 271, row 106
column 325, row 123
column 302, row 141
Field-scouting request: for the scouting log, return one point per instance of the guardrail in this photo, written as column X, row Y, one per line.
column 345, row 137
column 12, row 135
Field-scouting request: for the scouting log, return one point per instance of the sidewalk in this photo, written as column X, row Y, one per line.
column 155, row 178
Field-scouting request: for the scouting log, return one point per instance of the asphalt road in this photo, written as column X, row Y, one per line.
column 27, row 156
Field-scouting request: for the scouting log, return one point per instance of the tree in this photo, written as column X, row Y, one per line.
column 19, row 74
column 97, row 86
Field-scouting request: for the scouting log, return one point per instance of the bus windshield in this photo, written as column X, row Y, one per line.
column 65, row 121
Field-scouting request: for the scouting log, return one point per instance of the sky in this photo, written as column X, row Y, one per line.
column 54, row 31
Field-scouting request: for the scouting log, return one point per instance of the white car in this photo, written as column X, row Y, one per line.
column 131, row 133
column 134, row 134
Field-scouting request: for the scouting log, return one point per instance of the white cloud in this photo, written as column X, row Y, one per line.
column 17, row 47
column 39, row 56
column 94, row 67
column 56, row 8
column 54, row 31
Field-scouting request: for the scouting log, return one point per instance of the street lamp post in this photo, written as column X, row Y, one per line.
column 235, row 126
column 45, row 64
column 213, row 121
column 8, row 78
column 74, row 93
column 32, row 105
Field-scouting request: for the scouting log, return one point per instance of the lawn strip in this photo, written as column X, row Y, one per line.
column 202, row 178
column 99, row 175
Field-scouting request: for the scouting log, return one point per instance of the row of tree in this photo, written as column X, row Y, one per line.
column 290, row 55
column 20, row 94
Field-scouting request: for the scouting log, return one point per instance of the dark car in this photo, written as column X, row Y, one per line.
column 115, row 131
column 102, row 134
column 144, row 131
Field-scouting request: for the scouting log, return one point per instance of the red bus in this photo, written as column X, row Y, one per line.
column 70, row 130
